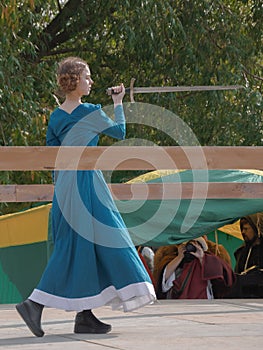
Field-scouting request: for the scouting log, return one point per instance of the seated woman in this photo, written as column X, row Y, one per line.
column 189, row 271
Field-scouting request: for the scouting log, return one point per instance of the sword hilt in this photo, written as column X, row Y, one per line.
column 129, row 90
column 110, row 91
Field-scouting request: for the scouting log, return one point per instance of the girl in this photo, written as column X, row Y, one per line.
column 94, row 262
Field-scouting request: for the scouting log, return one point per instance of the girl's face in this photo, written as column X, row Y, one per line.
column 85, row 82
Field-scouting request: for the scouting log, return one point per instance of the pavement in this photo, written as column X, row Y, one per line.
column 226, row 324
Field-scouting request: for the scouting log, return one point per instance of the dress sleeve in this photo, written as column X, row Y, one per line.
column 116, row 128
column 99, row 122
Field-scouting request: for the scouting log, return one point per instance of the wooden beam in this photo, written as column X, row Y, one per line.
column 143, row 191
column 129, row 158
column 186, row 190
column 26, row 193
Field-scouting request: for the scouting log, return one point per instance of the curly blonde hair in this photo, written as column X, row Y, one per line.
column 68, row 74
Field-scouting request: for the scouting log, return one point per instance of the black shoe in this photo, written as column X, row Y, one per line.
column 86, row 322
column 31, row 313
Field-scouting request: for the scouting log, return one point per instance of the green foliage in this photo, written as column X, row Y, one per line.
column 169, row 42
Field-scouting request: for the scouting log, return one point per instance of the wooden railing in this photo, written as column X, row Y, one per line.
column 134, row 158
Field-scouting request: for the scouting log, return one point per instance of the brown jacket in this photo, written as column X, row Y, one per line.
column 219, row 250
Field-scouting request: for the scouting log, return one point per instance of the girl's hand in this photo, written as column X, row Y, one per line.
column 119, row 92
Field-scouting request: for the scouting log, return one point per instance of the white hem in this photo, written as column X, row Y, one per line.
column 128, row 298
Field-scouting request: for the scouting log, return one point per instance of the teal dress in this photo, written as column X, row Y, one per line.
column 94, row 261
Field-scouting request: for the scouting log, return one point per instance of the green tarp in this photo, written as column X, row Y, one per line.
column 164, row 222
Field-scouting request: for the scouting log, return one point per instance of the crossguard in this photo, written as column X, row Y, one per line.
column 129, row 90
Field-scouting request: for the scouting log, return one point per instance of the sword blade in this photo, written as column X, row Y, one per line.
column 160, row 89
column 147, row 90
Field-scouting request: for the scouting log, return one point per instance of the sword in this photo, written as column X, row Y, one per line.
column 149, row 90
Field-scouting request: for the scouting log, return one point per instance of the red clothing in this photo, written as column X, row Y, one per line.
column 214, row 269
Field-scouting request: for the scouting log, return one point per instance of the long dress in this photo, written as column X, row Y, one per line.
column 94, row 261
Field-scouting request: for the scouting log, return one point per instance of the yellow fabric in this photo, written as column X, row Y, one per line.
column 29, row 226
column 153, row 175
column 253, row 171
column 232, row 230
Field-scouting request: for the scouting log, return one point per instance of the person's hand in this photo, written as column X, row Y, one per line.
column 199, row 253
column 119, row 92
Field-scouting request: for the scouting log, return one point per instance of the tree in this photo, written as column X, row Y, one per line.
column 172, row 42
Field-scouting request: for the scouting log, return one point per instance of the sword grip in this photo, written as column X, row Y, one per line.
column 110, row 91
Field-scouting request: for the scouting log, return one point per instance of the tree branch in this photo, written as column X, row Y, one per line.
column 57, row 31
column 252, row 75
column 59, row 6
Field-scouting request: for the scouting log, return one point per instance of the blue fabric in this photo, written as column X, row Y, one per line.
column 92, row 247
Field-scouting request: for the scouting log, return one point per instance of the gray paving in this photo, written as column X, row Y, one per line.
column 172, row 324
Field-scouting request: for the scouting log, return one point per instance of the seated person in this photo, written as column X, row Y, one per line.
column 191, row 272
column 249, row 259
